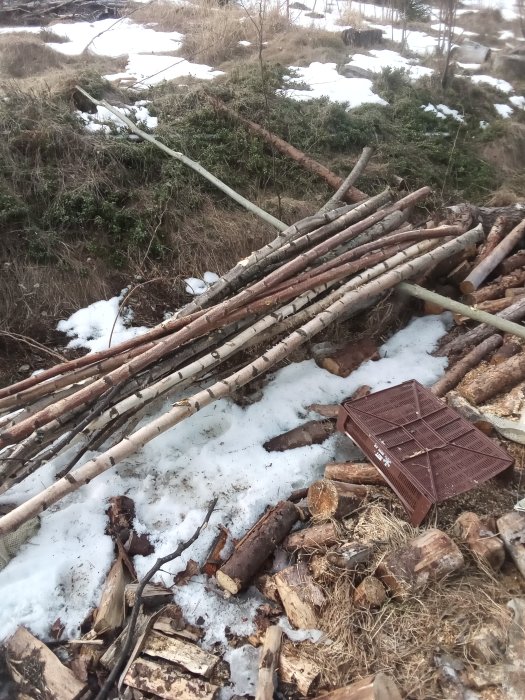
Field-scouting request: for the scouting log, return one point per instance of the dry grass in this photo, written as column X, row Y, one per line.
column 351, row 18
column 403, row 636
column 300, row 47
column 24, row 55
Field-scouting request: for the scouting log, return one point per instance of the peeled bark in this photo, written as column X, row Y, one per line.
column 300, row 595
column 334, row 499
column 354, row 473
column 313, row 537
column 497, row 379
column 378, row 687
column 480, row 539
column 455, row 375
column 427, row 558
column 256, row 546
column 314, row 432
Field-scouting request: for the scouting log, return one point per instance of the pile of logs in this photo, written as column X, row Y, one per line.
column 21, row 12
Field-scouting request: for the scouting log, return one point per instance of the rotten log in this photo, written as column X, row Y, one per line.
column 498, row 288
column 214, row 560
column 166, row 681
column 184, row 654
column 362, row 473
column 34, row 668
column 427, row 558
column 511, row 528
column 110, row 613
column 378, row 687
column 345, row 361
column 334, row 499
column 480, row 539
column 268, row 662
column 300, row 595
column 352, row 194
column 256, row 546
column 313, row 432
column 314, row 537
column 497, row 379
column 494, row 237
column 454, row 376
column 297, row 669
column 370, row 593
column 513, row 262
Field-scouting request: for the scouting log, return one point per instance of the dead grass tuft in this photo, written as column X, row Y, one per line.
column 351, row 18
column 25, row 55
column 503, row 197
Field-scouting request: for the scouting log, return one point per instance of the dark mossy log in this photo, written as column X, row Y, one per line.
column 313, row 432
column 362, row 473
column 481, row 539
column 314, row 537
column 454, row 376
column 256, row 546
column 349, row 358
column 334, row 499
column 370, row 593
column 300, row 595
column 497, row 379
column 511, row 528
column 427, row 558
column 378, row 687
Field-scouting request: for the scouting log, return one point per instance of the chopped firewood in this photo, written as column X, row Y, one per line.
column 481, row 540
column 185, row 654
column 37, row 672
column 471, row 414
column 300, row 596
column 511, row 528
column 298, row 670
column 345, row 361
column 496, row 379
column 111, row 654
column 182, row 578
column 110, row 613
column 267, row 681
column 87, row 654
column 313, row 432
column 354, row 473
column 370, row 593
column 256, row 546
column 427, row 558
column 166, row 681
column 267, row 586
column 497, row 289
column 213, row 560
column 330, row 410
column 350, row 555
column 334, row 499
column 507, row 350
column 170, row 621
column 154, row 594
column 378, row 687
column 322, row 535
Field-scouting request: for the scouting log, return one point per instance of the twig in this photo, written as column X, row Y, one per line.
column 121, row 659
column 121, row 305
column 33, row 343
column 349, row 181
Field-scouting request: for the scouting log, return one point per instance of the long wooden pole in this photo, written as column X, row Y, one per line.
column 349, row 181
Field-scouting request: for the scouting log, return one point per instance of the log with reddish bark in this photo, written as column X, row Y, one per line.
column 334, row 499
column 300, row 595
column 354, row 473
column 480, row 538
column 314, row 537
column 511, row 528
column 492, row 306
column 313, row 432
column 378, row 687
column 214, row 560
column 494, row 237
column 370, row 593
column 455, row 375
column 498, row 288
column 497, row 379
column 427, row 558
column 349, row 358
column 256, row 546
column 513, row 262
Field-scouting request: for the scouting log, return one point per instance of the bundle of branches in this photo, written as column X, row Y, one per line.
column 16, row 12
column 322, row 269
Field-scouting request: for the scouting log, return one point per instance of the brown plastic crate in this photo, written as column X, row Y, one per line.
column 425, row 450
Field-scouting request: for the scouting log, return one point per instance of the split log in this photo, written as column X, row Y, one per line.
column 300, row 595
column 427, row 558
column 154, row 594
column 110, row 656
column 330, row 410
column 334, row 499
column 497, row 379
column 378, row 687
column 497, row 289
column 513, row 262
column 186, row 655
column 256, row 546
column 462, row 406
column 214, row 560
column 267, row 586
column 349, row 358
column 453, row 376
column 352, row 194
column 37, row 672
column 350, row 555
column 313, row 432
column 267, row 681
column 494, row 237
column 507, row 350
column 370, row 593
column 111, row 612
column 314, row 537
column 362, row 473
column 166, row 681
column 511, row 528
column 296, row 669
column 480, row 539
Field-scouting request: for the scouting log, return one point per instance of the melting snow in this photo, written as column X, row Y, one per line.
column 99, row 121
column 442, row 112
column 418, row 42
column 518, row 101
column 380, row 59
column 196, row 286
column 502, row 85
column 145, row 70
column 504, row 111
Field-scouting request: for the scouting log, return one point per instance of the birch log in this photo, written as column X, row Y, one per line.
column 182, row 409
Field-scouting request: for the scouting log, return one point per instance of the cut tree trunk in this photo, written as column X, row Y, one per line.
column 256, row 546
column 370, row 593
column 296, row 669
column 362, row 473
column 378, row 687
column 314, row 432
column 300, row 595
column 480, row 539
column 497, row 379
column 497, row 289
column 511, row 528
column 349, row 358
column 166, row 681
column 334, row 499
column 427, row 558
column 268, row 662
column 314, row 537
column 453, row 376
column 37, row 672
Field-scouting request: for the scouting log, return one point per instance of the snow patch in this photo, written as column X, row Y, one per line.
column 99, row 121
column 196, row 286
column 442, row 112
column 518, row 101
column 504, row 111
column 380, row 59
column 418, row 42
column 498, row 83
column 144, row 70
